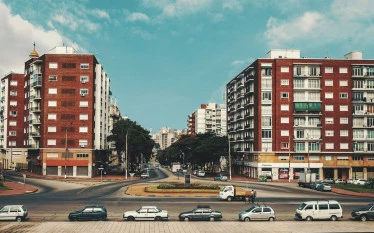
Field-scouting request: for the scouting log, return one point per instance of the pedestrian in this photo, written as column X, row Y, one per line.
column 253, row 196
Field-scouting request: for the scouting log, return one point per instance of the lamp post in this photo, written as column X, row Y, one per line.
column 289, row 158
column 66, row 148
column 126, row 155
column 229, row 158
column 101, row 174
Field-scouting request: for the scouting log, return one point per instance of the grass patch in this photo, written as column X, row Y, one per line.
column 191, row 186
column 354, row 188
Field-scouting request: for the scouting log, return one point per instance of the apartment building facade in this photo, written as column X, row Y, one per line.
column 166, row 136
column 65, row 120
column 288, row 114
column 210, row 118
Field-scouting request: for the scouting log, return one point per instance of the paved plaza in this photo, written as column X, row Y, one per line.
column 186, row 227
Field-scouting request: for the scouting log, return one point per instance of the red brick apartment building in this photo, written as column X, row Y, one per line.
column 63, row 117
column 288, row 114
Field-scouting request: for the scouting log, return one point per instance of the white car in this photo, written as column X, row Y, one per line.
column 340, row 181
column 201, row 173
column 360, row 182
column 146, row 213
column 144, row 175
column 13, row 212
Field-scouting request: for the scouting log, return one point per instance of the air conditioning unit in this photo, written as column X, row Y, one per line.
column 84, row 81
column 83, row 94
column 83, row 145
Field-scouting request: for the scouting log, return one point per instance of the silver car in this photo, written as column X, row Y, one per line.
column 13, row 212
column 146, row 213
column 257, row 213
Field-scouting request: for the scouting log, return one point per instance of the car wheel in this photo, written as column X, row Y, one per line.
column 247, row 219
column 363, row 218
column 333, row 218
column 130, row 218
column 19, row 219
column 186, row 219
column 309, row 218
column 229, row 198
column 271, row 219
column 211, row 219
column 158, row 218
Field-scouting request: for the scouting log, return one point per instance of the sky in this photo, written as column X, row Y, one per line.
column 167, row 57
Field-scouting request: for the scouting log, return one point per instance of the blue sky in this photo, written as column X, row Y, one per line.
column 166, row 57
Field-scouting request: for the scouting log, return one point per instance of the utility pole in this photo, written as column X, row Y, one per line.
column 229, row 158
column 289, row 158
column 66, row 147
column 127, row 132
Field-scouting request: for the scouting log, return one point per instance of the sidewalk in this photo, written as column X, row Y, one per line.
column 17, row 188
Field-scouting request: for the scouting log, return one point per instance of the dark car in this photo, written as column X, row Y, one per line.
column 201, row 213
column 364, row 213
column 89, row 213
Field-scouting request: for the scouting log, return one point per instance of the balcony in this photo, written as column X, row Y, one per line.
column 35, row 97
column 35, row 121
column 36, row 84
column 35, row 134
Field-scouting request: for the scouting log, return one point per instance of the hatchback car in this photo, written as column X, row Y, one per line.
column 89, row 213
column 201, row 213
column 257, row 213
column 146, row 213
column 324, row 187
column 364, row 213
column 221, row 178
column 13, row 212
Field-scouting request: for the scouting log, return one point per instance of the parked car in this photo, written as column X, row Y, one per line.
column 324, row 187
column 329, row 180
column 201, row 213
column 200, row 173
column 89, row 213
column 146, row 213
column 360, row 181
column 13, row 212
column 319, row 210
column 144, row 175
column 340, row 181
column 257, row 213
column 350, row 181
column 221, row 178
column 364, row 213
column 314, row 185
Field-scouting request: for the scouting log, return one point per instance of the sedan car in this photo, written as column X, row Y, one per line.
column 221, row 178
column 146, row 213
column 364, row 213
column 257, row 213
column 201, row 213
column 360, row 181
column 329, row 180
column 89, row 213
column 13, row 212
column 340, row 181
column 324, row 187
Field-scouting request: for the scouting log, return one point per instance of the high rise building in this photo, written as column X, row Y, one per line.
column 288, row 114
column 166, row 136
column 209, row 118
column 65, row 113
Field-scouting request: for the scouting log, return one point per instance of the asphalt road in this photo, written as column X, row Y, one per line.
column 56, row 199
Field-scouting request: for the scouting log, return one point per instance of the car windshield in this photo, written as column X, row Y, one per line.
column 301, row 207
column 24, row 208
column 248, row 210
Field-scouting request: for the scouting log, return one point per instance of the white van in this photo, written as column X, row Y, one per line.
column 319, row 210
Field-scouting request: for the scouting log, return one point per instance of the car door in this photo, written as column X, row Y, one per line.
column 197, row 214
column 4, row 213
column 142, row 214
column 256, row 213
column 323, row 211
column 151, row 212
column 310, row 210
column 87, row 214
column 266, row 213
column 370, row 213
column 207, row 212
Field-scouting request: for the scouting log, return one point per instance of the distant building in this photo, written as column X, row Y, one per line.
column 208, row 118
column 166, row 136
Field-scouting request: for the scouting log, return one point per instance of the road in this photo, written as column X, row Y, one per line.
column 56, row 199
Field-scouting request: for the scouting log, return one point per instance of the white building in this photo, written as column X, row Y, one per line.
column 211, row 118
column 166, row 136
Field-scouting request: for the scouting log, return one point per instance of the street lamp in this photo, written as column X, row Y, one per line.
column 289, row 158
column 66, row 148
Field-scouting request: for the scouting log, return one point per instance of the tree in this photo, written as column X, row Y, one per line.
column 139, row 141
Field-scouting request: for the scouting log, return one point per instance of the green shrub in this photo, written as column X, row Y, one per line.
column 191, row 186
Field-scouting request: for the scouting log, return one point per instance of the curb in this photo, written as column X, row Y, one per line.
column 351, row 193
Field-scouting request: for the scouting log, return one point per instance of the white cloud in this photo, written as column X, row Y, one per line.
column 17, row 37
column 177, row 8
column 233, row 5
column 143, row 34
column 137, row 17
column 100, row 14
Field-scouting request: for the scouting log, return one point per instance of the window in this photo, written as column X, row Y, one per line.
column 329, row 95
column 52, row 129
column 344, row 158
column 83, row 143
column 266, row 133
column 328, row 157
column 82, row 155
column 52, row 155
column 343, row 83
column 285, row 145
column 285, row 107
column 343, row 146
column 323, row 206
column 284, row 82
column 343, row 95
column 285, row 120
column 329, row 108
column 285, row 133
column 83, row 92
column 51, row 142
column 357, row 158
column 329, row 133
column 284, row 95
column 83, row 104
column 329, row 120
column 52, row 116
column 329, row 70
column 343, row 70
column 53, row 65
column 13, row 123
column 84, row 79
column 83, row 117
column 83, row 129
column 52, row 78
column 12, row 133
column 266, row 95
column 52, row 103
column 13, row 93
column 52, row 91
column 298, row 158
column 285, row 69
column 329, row 146
column 329, row 83
column 334, row 207
column 13, row 83
column 344, row 120
column 13, row 113
column 266, row 121
column 343, row 133
column 13, row 103
column 85, row 66
column 343, row 108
